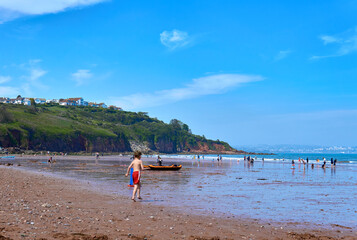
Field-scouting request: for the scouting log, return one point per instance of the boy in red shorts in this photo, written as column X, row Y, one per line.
column 137, row 166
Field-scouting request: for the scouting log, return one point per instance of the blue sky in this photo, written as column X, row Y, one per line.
column 247, row 72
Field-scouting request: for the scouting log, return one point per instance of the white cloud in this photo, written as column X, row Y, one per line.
column 174, row 39
column 36, row 73
column 4, row 79
column 8, row 91
column 282, row 54
column 329, row 39
column 81, row 76
column 346, row 44
column 215, row 84
column 27, row 82
column 11, row 9
column 33, row 77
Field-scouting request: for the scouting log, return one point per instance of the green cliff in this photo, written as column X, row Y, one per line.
column 88, row 129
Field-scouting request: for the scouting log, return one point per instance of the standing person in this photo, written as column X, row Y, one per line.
column 218, row 158
column 324, row 165
column 293, row 163
column 334, row 162
column 307, row 160
column 137, row 166
column 331, row 161
column 159, row 160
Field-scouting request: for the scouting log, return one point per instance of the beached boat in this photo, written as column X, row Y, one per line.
column 166, row 168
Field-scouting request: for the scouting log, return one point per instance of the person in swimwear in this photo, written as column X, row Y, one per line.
column 137, row 166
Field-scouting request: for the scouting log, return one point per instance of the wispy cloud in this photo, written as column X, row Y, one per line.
column 12, row 9
column 81, row 76
column 7, row 91
column 215, row 84
column 346, row 44
column 175, row 39
column 33, row 78
column 329, row 39
column 4, row 79
column 28, row 81
column 282, row 54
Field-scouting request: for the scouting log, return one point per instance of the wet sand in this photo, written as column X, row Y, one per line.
column 269, row 191
column 38, row 206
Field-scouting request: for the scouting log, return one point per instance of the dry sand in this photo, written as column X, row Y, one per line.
column 34, row 206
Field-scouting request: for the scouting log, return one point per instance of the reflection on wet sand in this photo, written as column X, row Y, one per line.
column 257, row 189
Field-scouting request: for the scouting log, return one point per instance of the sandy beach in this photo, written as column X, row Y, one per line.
column 34, row 205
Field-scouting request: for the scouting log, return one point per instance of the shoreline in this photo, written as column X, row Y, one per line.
column 36, row 205
column 80, row 154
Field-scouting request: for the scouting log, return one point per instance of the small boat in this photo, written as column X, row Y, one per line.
column 166, row 168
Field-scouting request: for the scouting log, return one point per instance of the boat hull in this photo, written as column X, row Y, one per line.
column 165, row 168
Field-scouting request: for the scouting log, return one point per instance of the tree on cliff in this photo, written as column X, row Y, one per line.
column 178, row 125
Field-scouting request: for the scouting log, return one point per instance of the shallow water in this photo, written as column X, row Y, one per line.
column 268, row 191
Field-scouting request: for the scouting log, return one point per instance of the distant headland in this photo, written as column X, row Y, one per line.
column 79, row 127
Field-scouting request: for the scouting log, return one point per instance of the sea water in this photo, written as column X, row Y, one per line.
column 269, row 190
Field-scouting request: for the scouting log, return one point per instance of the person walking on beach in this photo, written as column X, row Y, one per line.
column 137, row 166
column 334, row 162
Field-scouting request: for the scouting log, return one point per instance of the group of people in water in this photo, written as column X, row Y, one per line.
column 301, row 160
column 333, row 161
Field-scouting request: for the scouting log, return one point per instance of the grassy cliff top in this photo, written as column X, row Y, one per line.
column 21, row 126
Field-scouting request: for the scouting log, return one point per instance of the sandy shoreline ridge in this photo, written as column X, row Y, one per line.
column 35, row 206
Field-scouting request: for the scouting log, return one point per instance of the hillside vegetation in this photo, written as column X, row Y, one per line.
column 88, row 129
